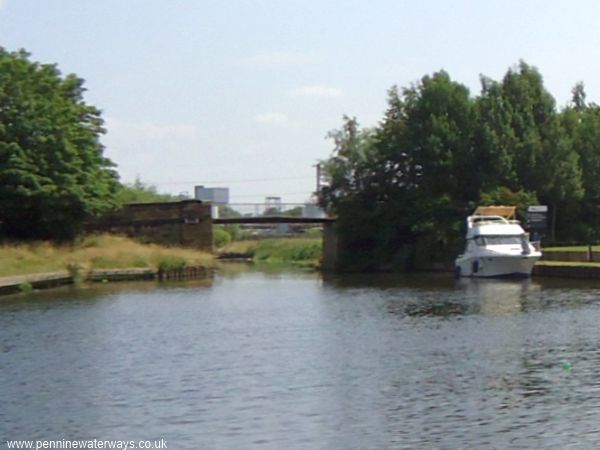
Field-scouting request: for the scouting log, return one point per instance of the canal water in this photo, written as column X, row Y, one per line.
column 290, row 360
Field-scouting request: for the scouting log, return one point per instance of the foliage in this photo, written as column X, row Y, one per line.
column 302, row 251
column 25, row 287
column 288, row 250
column 402, row 189
column 277, row 211
column 582, row 122
column 504, row 196
column 52, row 170
column 221, row 236
column 93, row 252
column 170, row 262
column 140, row 192
column 226, row 211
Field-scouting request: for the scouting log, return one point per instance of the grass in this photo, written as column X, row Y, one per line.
column 578, row 248
column 568, row 263
column 297, row 251
column 95, row 252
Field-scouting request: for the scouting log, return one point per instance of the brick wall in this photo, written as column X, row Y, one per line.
column 187, row 223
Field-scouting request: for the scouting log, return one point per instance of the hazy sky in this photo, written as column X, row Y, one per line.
column 229, row 93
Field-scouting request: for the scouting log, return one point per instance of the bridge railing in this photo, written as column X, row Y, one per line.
column 305, row 210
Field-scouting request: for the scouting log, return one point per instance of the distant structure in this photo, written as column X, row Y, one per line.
column 216, row 196
column 273, row 204
column 187, row 223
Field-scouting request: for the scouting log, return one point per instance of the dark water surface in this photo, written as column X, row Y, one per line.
column 288, row 360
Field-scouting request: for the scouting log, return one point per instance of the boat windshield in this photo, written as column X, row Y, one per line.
column 498, row 240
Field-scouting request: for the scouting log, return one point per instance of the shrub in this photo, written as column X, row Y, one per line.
column 221, row 237
column 169, row 263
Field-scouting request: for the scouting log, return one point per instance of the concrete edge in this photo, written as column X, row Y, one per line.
column 24, row 283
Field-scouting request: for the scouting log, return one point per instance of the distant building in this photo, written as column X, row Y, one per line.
column 216, row 195
column 313, row 210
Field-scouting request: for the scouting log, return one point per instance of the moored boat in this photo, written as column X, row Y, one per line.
column 496, row 245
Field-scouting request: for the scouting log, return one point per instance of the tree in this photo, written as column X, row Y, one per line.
column 52, row 170
column 398, row 190
column 543, row 156
column 439, row 122
column 494, row 139
column 404, row 187
column 354, row 193
column 582, row 122
column 140, row 192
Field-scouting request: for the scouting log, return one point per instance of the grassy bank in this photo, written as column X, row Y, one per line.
column 578, row 248
column 95, row 252
column 568, row 263
column 305, row 252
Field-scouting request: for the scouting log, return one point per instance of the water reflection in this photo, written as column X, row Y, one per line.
column 494, row 297
column 292, row 360
column 440, row 295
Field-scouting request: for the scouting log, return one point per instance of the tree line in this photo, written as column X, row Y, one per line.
column 402, row 189
column 53, row 172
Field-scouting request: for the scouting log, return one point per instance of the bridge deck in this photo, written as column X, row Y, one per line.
column 272, row 219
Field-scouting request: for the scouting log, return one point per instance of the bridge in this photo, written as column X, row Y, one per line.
column 269, row 213
column 189, row 222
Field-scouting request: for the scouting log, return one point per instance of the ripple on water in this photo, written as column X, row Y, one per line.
column 291, row 360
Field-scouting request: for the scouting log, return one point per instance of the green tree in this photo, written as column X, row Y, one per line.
column 354, row 194
column 140, row 192
column 494, row 139
column 582, row 122
column 543, row 158
column 52, row 170
column 440, row 123
column 504, row 196
column 400, row 190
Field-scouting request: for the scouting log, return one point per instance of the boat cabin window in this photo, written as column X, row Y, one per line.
column 498, row 240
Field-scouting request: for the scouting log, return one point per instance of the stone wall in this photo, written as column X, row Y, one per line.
column 571, row 256
column 331, row 245
column 187, row 223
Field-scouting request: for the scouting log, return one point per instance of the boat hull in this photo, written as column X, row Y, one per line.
column 496, row 266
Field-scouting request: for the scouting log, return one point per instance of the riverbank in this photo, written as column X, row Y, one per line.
column 304, row 252
column 96, row 252
column 104, row 258
column 27, row 283
column 107, row 258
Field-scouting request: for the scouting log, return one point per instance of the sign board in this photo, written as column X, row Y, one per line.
column 537, row 218
column 215, row 195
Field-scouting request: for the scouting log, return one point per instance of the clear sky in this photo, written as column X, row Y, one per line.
column 229, row 93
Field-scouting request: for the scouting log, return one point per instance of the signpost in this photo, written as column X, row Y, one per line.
column 537, row 218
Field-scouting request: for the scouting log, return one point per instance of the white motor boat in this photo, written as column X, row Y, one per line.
column 496, row 245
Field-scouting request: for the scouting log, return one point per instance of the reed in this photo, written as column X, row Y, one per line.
column 299, row 251
column 95, row 252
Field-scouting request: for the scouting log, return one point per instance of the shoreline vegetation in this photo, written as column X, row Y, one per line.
column 26, row 266
column 111, row 252
column 104, row 257
column 95, row 252
column 300, row 252
column 102, row 252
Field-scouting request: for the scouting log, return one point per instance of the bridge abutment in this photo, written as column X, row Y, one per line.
column 330, row 247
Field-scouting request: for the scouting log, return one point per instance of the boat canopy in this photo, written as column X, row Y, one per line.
column 508, row 212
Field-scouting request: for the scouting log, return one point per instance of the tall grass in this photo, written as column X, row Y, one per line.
column 303, row 251
column 94, row 252
column 574, row 248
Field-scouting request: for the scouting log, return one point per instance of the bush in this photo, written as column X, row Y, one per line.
column 221, row 237
column 169, row 263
